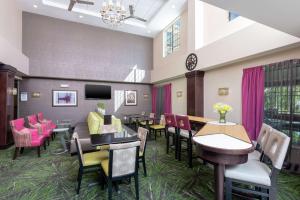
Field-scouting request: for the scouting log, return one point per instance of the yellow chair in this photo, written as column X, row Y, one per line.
column 158, row 127
column 87, row 160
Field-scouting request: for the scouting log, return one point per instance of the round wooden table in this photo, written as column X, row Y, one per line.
column 222, row 146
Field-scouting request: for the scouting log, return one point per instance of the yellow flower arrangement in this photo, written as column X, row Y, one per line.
column 222, row 109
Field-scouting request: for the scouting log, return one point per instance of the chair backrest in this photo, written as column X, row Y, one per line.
column 123, row 159
column 152, row 115
column 32, row 119
column 40, row 116
column 263, row 136
column 276, row 148
column 183, row 122
column 79, row 149
column 143, row 113
column 142, row 135
column 170, row 120
column 17, row 124
column 162, row 120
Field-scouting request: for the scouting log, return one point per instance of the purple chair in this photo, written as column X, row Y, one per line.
column 171, row 131
column 185, row 133
column 24, row 137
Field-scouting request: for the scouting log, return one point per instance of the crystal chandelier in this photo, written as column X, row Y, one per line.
column 113, row 13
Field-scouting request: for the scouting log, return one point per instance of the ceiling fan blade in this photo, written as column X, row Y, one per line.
column 140, row 19
column 85, row 2
column 131, row 11
column 71, row 5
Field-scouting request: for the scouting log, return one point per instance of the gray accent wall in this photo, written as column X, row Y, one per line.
column 114, row 106
column 59, row 48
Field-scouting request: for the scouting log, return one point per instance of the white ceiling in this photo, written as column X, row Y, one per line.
column 283, row 15
column 158, row 13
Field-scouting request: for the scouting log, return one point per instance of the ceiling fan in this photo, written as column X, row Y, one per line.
column 132, row 16
column 73, row 2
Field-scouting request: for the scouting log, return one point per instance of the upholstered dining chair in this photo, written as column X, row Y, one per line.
column 158, row 127
column 258, row 174
column 42, row 128
column 171, row 131
column 185, row 133
column 261, row 143
column 88, row 162
column 122, row 164
column 25, row 138
column 142, row 135
column 42, row 120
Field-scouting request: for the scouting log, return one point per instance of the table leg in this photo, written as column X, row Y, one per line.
column 219, row 181
column 63, row 142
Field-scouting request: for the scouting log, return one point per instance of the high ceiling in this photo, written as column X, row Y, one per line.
column 283, row 15
column 158, row 13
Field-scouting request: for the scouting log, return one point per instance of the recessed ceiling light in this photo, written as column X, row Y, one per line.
column 80, row 16
column 35, row 6
column 173, row 6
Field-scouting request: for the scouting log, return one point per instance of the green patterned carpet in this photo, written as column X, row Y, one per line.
column 54, row 177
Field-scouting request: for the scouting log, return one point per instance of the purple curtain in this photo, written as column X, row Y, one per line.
column 168, row 98
column 253, row 100
column 154, row 94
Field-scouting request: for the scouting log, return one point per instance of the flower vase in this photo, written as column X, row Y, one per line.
column 222, row 119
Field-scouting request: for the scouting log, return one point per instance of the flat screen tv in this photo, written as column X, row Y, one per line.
column 97, row 92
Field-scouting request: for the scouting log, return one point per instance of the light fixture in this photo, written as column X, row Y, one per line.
column 36, row 95
column 149, row 31
column 173, row 6
column 80, row 16
column 179, row 93
column 223, row 91
column 35, row 6
column 113, row 13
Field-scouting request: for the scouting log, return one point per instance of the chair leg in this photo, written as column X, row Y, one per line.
column 272, row 193
column 136, row 180
column 109, row 189
column 179, row 148
column 44, row 145
column 22, row 150
column 155, row 131
column 39, row 151
column 48, row 141
column 79, row 178
column 190, row 152
column 228, row 189
column 168, row 142
column 16, row 153
column 144, row 166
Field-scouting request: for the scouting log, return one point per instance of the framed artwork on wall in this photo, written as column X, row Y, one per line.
column 130, row 98
column 64, row 98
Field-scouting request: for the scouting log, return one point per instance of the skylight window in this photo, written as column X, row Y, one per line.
column 232, row 16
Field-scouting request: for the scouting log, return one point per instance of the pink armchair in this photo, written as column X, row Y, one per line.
column 24, row 137
column 42, row 128
column 42, row 120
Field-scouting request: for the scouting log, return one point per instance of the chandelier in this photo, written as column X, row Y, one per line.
column 113, row 13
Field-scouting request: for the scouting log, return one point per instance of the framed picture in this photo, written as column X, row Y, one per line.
column 24, row 96
column 63, row 98
column 130, row 98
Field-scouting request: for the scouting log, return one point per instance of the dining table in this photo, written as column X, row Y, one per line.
column 222, row 145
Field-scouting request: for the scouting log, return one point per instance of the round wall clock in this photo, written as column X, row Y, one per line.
column 191, row 62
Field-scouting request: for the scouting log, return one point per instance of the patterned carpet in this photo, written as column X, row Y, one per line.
column 54, row 177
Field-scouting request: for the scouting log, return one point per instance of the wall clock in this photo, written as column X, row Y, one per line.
column 191, row 62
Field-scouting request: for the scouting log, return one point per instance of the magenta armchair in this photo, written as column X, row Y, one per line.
column 42, row 120
column 24, row 137
column 42, row 128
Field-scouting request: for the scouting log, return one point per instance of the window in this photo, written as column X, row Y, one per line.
column 232, row 16
column 172, row 38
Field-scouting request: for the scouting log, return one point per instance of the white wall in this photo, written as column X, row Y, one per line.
column 231, row 76
column 226, row 42
column 11, row 36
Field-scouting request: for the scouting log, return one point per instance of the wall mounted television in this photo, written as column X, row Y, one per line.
column 97, row 92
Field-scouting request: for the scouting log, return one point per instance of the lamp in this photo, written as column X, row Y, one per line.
column 36, row 95
column 179, row 93
column 223, row 91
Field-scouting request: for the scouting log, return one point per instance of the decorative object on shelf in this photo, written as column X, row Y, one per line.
column 36, row 95
column 223, row 91
column 113, row 13
column 130, row 98
column 191, row 62
column 222, row 109
column 179, row 93
column 64, row 98
column 24, row 96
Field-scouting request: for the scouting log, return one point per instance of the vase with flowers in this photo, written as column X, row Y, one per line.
column 222, row 109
